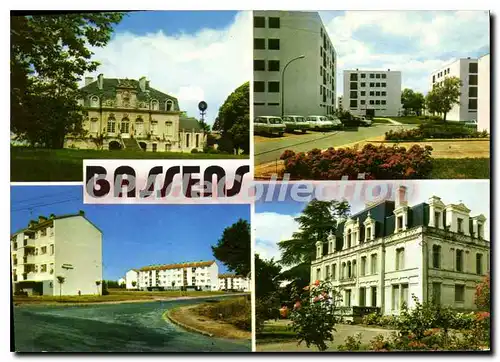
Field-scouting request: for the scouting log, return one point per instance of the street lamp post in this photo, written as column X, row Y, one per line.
column 283, row 83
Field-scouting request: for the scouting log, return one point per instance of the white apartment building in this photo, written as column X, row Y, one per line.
column 309, row 82
column 132, row 279
column 483, row 100
column 466, row 69
column 202, row 275
column 372, row 93
column 339, row 102
column 65, row 247
column 234, row 282
column 390, row 251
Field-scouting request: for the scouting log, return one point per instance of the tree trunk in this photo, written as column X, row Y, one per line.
column 444, row 117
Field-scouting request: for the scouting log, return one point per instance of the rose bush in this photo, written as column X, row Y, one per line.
column 429, row 130
column 375, row 162
column 313, row 316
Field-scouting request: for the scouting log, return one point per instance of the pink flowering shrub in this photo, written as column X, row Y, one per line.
column 375, row 162
column 313, row 315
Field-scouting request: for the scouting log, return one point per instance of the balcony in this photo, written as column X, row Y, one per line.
column 349, row 280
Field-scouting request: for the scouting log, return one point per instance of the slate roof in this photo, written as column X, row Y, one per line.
column 189, row 123
column 108, row 91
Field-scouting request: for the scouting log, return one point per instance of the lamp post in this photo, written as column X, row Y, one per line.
column 283, row 83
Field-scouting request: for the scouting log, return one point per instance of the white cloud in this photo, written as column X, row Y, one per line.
column 207, row 65
column 414, row 42
column 269, row 229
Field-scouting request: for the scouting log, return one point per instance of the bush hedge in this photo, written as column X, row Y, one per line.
column 375, row 162
column 430, row 130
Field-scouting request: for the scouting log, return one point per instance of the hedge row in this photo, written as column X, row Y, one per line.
column 435, row 130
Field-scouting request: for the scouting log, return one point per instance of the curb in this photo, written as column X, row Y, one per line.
column 168, row 316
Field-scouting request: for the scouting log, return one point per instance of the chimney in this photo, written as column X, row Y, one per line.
column 88, row 80
column 401, row 196
column 41, row 219
column 52, row 216
column 142, row 83
column 81, row 212
column 100, row 81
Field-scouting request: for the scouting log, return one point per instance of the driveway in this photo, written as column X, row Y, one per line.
column 343, row 330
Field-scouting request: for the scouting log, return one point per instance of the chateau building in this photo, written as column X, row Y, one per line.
column 234, row 282
column 130, row 114
column 58, row 255
column 200, row 275
column 390, row 251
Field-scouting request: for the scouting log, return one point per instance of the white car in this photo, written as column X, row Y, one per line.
column 295, row 123
column 365, row 121
column 269, row 125
column 319, row 122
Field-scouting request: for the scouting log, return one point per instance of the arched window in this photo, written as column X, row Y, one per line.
column 169, row 105
column 139, row 126
column 154, row 105
column 111, row 124
column 349, row 270
column 125, row 126
column 94, row 101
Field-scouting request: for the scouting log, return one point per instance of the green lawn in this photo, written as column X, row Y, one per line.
column 408, row 120
column 275, row 333
column 381, row 120
column 460, row 168
column 40, row 164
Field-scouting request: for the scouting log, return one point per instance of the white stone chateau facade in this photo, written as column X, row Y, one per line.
column 390, row 251
column 130, row 114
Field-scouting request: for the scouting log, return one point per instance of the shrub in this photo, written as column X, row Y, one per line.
column 313, row 316
column 371, row 319
column 194, row 150
column 432, row 129
column 374, row 162
column 482, row 294
column 388, row 321
column 351, row 343
column 236, row 311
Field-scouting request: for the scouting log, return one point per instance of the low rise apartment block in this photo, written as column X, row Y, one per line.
column 58, row 255
column 233, row 282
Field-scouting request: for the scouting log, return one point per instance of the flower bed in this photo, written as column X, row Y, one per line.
column 375, row 162
column 435, row 130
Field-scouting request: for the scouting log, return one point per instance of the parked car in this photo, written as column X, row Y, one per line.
column 268, row 125
column 319, row 122
column 470, row 123
column 366, row 122
column 296, row 123
column 337, row 123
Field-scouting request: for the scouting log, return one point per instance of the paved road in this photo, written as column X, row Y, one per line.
column 268, row 150
column 132, row 327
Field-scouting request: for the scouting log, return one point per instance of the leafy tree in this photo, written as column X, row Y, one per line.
column 134, row 283
column 233, row 121
column 49, row 55
column 319, row 219
column 443, row 97
column 411, row 100
column 233, row 248
column 267, row 299
column 105, row 288
column 60, row 280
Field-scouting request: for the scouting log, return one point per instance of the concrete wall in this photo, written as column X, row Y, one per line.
column 131, row 276
column 483, row 111
column 299, row 34
column 78, row 243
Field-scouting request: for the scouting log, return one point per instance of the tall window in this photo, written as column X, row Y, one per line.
column 404, row 294
column 436, row 293
column 368, row 233
column 436, row 256
column 459, row 256
column 362, row 296
column 334, row 271
column 363, row 266
column 400, row 258
column 187, row 140
column 111, row 125
column 318, row 274
column 373, row 264
column 169, row 129
column 460, row 225
column 437, row 217
column 400, row 223
column 349, row 239
column 154, row 127
column 349, row 270
column 479, row 264
column 459, row 293
column 125, row 125
column 374, row 296
column 169, row 105
column 197, row 140
column 395, row 297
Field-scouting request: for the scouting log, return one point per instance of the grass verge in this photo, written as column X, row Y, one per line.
column 460, row 168
column 40, row 164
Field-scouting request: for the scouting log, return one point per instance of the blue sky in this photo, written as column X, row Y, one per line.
column 192, row 55
column 413, row 42
column 134, row 235
column 274, row 220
